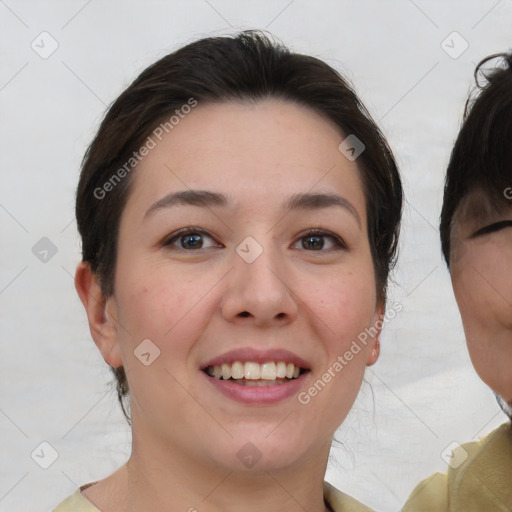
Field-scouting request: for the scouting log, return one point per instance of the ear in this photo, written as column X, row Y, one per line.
column 101, row 313
column 374, row 346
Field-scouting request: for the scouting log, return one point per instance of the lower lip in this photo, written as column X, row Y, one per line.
column 258, row 394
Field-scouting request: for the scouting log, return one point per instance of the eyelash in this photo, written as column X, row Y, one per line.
column 497, row 226
column 176, row 236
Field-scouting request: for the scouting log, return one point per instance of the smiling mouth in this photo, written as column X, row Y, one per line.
column 254, row 374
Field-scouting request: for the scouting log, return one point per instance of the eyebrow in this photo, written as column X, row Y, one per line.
column 207, row 199
column 491, row 227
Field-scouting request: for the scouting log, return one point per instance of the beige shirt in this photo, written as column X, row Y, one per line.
column 482, row 482
column 338, row 501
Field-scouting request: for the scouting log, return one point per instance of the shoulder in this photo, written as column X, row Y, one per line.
column 76, row 502
column 430, row 494
column 479, row 478
column 341, row 502
column 484, row 479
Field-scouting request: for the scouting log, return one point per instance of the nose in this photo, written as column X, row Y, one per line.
column 259, row 292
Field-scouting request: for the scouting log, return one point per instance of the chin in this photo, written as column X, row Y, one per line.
column 263, row 452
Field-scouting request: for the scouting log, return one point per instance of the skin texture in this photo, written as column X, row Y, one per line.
column 197, row 304
column 481, row 272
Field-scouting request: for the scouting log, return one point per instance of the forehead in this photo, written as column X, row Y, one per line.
column 478, row 207
column 251, row 151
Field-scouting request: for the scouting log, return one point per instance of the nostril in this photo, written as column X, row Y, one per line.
column 245, row 313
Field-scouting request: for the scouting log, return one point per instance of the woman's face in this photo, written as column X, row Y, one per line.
column 481, row 271
column 227, row 276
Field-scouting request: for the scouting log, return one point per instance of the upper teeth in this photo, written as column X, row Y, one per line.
column 254, row 371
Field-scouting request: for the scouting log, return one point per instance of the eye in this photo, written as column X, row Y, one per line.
column 497, row 226
column 189, row 239
column 315, row 240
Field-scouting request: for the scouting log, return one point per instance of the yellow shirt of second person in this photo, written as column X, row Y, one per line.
column 482, row 483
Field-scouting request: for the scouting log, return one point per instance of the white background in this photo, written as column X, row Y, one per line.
column 55, row 387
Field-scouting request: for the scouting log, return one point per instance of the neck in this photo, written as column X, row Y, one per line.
column 170, row 479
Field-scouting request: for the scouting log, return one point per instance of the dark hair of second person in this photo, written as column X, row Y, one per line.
column 480, row 166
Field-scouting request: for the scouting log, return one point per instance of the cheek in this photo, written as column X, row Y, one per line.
column 344, row 304
column 159, row 305
column 343, row 314
column 483, row 289
column 166, row 309
column 496, row 273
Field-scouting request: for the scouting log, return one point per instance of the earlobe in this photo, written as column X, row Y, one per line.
column 374, row 346
column 101, row 314
column 374, row 352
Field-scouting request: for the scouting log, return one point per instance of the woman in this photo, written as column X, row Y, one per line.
column 239, row 214
column 476, row 223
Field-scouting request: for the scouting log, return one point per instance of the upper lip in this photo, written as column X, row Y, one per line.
column 257, row 356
